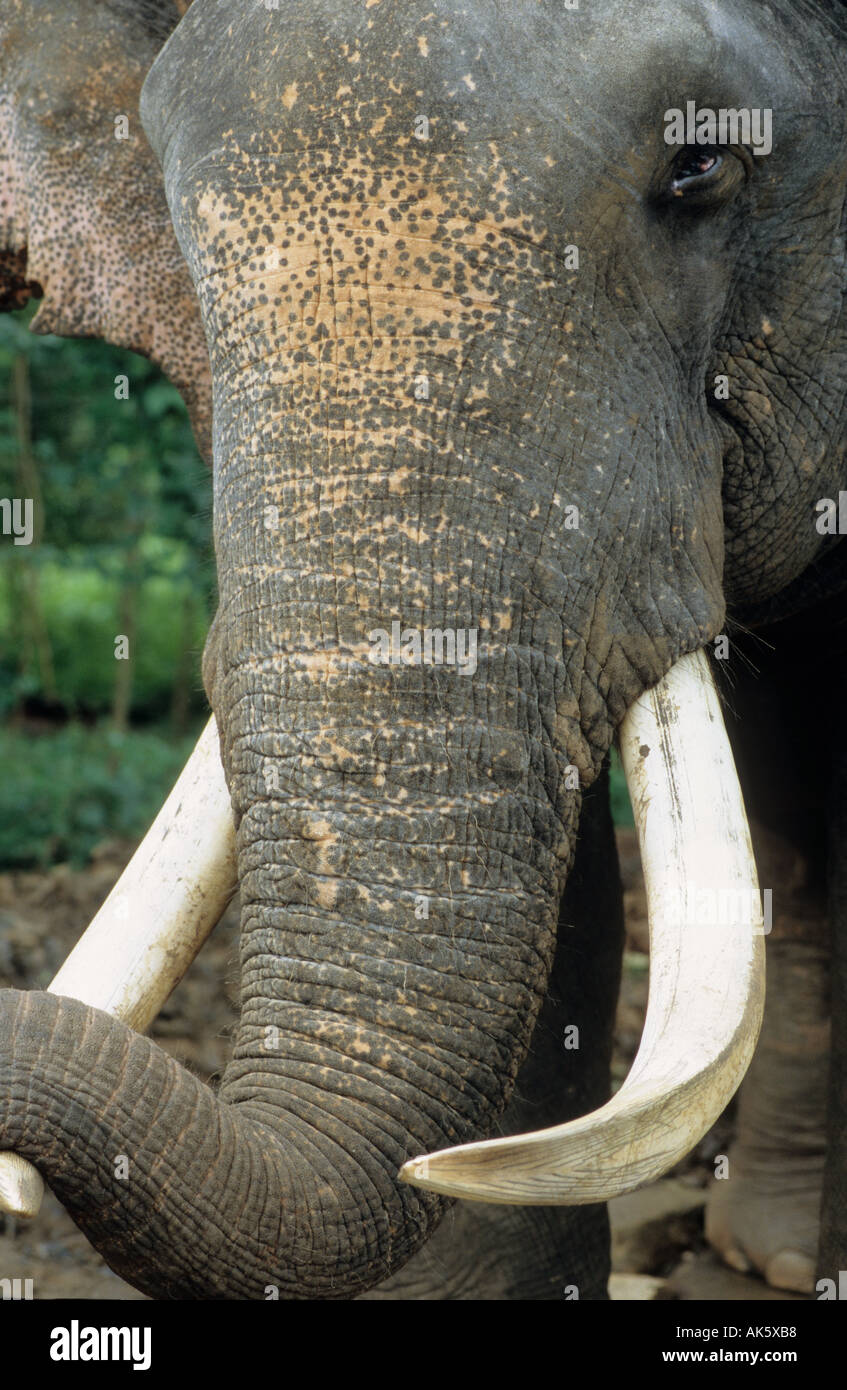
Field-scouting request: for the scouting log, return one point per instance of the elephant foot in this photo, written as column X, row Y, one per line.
column 766, row 1219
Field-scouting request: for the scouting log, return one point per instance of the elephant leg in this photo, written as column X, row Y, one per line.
column 486, row 1251
column 832, row 1255
column 782, row 717
column 765, row 1213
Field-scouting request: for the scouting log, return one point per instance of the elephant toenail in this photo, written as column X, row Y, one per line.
column 791, row 1270
column 736, row 1259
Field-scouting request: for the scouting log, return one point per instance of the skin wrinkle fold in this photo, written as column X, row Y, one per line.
column 374, row 1082
column 367, row 1086
column 357, row 966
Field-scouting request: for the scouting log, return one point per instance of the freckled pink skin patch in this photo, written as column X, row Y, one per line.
column 83, row 216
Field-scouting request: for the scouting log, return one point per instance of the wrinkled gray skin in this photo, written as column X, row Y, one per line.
column 338, row 258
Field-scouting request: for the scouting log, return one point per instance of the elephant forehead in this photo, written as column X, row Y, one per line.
column 341, row 255
column 532, row 74
column 287, row 208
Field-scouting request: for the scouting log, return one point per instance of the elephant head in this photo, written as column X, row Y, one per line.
column 83, row 217
column 511, row 398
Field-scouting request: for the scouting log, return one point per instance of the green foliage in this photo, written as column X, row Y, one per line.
column 122, row 544
column 618, row 794
column 80, row 607
column 63, row 792
column 109, row 468
column 123, row 522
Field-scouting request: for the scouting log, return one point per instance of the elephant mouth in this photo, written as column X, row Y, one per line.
column 16, row 289
column 706, row 966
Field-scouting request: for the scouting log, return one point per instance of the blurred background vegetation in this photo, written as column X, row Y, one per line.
column 89, row 744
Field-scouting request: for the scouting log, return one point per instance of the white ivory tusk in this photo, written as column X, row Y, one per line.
column 153, row 923
column 706, row 973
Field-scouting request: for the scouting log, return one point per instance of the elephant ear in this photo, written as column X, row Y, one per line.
column 83, row 217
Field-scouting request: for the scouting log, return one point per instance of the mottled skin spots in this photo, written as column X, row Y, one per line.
column 340, row 261
column 83, row 219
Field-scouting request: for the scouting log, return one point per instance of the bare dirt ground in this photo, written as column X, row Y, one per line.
column 658, row 1246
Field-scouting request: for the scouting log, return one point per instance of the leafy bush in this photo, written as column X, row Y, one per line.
column 63, row 792
column 80, row 604
column 121, row 531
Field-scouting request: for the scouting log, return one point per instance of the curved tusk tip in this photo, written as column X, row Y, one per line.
column 21, row 1186
column 455, row 1172
column 416, row 1171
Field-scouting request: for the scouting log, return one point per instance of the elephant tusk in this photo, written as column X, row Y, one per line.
column 706, row 973
column 153, row 923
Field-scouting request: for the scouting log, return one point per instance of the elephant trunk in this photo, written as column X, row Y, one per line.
column 398, row 929
column 403, row 830
column 403, row 827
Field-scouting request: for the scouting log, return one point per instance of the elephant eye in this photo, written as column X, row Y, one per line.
column 701, row 178
column 694, row 167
